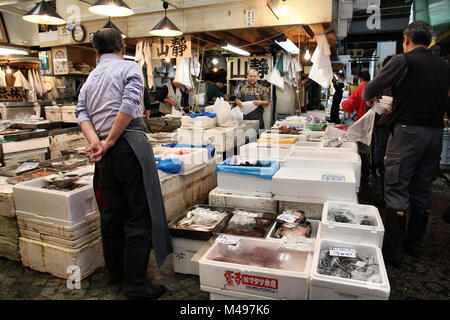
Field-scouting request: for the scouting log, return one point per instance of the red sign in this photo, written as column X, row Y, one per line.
column 249, row 280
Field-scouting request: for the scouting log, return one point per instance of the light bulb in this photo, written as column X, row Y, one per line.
column 215, row 61
column 284, row 9
column 8, row 70
column 167, row 60
column 215, row 70
column 307, row 55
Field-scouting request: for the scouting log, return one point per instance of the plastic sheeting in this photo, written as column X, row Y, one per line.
column 267, row 170
column 206, row 114
column 362, row 129
column 169, row 165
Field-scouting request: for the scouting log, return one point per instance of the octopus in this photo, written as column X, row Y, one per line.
column 294, row 230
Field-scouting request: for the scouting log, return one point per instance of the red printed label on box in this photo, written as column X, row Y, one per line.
column 234, row 279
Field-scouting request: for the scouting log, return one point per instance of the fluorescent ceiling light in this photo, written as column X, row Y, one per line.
column 9, row 51
column 289, row 46
column 112, row 8
column 231, row 48
column 128, row 57
column 43, row 13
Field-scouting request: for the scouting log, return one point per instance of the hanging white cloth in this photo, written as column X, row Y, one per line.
column 21, row 81
column 139, row 56
column 42, row 82
column 183, row 73
column 275, row 77
column 2, row 79
column 37, row 83
column 148, row 60
column 195, row 64
column 321, row 71
column 31, row 95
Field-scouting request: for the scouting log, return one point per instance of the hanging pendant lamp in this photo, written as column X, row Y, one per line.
column 43, row 13
column 112, row 8
column 165, row 28
column 111, row 25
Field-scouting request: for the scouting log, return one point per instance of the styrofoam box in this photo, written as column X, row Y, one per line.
column 74, row 244
column 265, row 152
column 317, row 146
column 183, row 251
column 90, row 222
column 198, row 122
column 221, row 138
column 315, row 232
column 279, row 136
column 7, row 207
column 268, row 204
column 224, row 294
column 311, row 159
column 193, row 157
column 278, row 283
column 53, row 113
column 324, row 287
column 65, row 207
column 312, row 210
column 307, row 186
column 56, row 260
column 353, row 233
column 26, row 145
column 68, row 114
column 228, row 182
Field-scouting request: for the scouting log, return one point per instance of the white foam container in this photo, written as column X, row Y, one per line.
column 198, row 122
column 322, row 160
column 68, row 114
column 183, row 251
column 324, row 287
column 222, row 138
column 196, row 157
column 312, row 210
column 306, row 185
column 37, row 144
column 282, row 284
column 65, row 208
column 258, row 151
column 279, row 136
column 353, row 233
column 224, row 294
column 317, row 146
column 53, row 113
column 315, row 232
column 56, row 260
column 260, row 203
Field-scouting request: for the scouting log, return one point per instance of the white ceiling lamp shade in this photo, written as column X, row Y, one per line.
column 112, row 8
column 43, row 13
column 307, row 55
column 232, row 48
column 5, row 51
column 289, row 46
column 282, row 10
column 165, row 28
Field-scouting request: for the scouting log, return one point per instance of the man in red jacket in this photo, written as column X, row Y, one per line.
column 356, row 102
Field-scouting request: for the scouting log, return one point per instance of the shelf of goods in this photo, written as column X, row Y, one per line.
column 256, row 267
column 323, row 160
column 365, row 279
column 353, row 223
column 260, row 203
column 246, row 180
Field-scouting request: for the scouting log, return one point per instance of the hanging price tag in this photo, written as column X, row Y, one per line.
column 224, row 239
column 343, row 252
column 287, row 217
column 245, row 213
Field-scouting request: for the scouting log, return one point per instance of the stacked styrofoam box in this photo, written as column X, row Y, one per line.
column 323, row 160
column 68, row 114
column 58, row 229
column 202, row 122
column 265, row 152
column 316, row 231
column 14, row 152
column 220, row 137
column 353, row 233
column 237, row 279
column 317, row 146
column 192, row 159
column 224, row 294
column 183, row 251
column 324, row 287
column 53, row 113
column 9, row 231
column 308, row 185
column 268, row 204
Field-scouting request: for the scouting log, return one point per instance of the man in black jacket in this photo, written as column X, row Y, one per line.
column 420, row 86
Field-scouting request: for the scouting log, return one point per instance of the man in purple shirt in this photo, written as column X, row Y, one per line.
column 126, row 183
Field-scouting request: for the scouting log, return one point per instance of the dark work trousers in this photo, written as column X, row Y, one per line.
column 381, row 137
column 411, row 165
column 126, row 217
column 256, row 114
column 364, row 152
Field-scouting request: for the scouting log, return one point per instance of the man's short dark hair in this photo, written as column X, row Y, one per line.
column 365, row 76
column 107, row 41
column 420, row 32
column 386, row 60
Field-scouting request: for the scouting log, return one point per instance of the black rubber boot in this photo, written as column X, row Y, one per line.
column 394, row 237
column 137, row 286
column 365, row 169
column 113, row 254
column 417, row 226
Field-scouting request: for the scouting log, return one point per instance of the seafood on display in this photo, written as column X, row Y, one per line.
column 201, row 219
column 294, row 227
column 349, row 214
column 361, row 268
column 258, row 256
column 249, row 224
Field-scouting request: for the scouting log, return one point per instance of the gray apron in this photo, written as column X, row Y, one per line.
column 139, row 143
